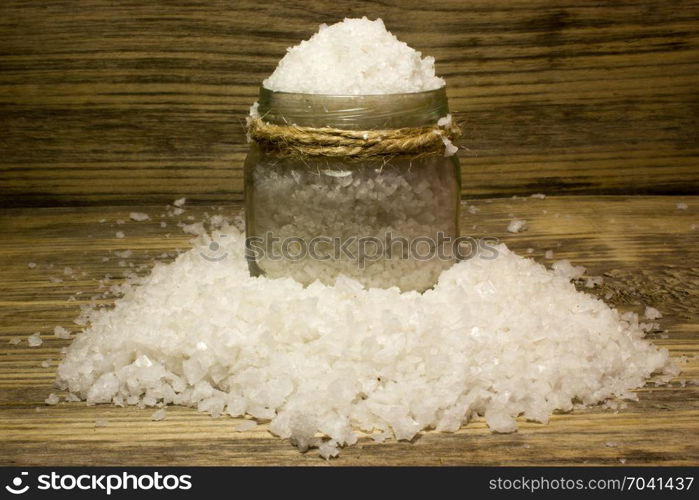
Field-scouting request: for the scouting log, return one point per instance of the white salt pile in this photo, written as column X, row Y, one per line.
column 355, row 56
column 500, row 338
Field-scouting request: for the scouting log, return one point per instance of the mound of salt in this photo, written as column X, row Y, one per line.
column 496, row 337
column 355, row 56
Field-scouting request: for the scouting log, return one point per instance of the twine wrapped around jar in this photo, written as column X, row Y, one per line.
column 354, row 145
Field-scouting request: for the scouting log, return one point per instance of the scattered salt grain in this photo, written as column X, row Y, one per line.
column 70, row 397
column 530, row 250
column 179, row 202
column 120, row 221
column 31, row 265
column 682, row 206
column 61, row 332
column 498, row 337
column 120, row 234
column 540, row 196
column 611, row 444
column 163, row 224
column 517, row 226
column 246, row 425
column 159, row 414
column 364, row 58
column 34, row 340
column 139, row 216
column 68, row 271
column 177, row 211
column 52, row 399
column 473, row 210
column 14, row 340
column 101, row 423
column 652, row 313
column 46, row 363
column 124, row 254
column 548, row 254
column 593, row 281
column 328, row 449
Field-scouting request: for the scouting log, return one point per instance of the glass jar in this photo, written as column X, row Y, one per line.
column 384, row 222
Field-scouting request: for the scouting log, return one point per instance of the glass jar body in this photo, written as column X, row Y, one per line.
column 383, row 222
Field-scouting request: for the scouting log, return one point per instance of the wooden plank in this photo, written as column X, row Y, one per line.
column 121, row 101
column 645, row 247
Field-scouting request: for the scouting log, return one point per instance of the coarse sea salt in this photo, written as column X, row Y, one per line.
column 353, row 57
column 139, row 216
column 517, row 226
column 500, row 338
column 34, row 340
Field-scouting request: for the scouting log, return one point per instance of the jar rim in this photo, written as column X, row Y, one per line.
column 354, row 112
column 309, row 94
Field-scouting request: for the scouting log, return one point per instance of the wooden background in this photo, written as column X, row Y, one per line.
column 118, row 102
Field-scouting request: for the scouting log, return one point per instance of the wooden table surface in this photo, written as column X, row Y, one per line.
column 645, row 247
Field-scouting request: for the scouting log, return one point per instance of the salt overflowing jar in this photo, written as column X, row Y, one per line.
column 323, row 210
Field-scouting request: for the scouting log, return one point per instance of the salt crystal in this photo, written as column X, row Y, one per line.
column 246, row 425
column 177, row 211
column 68, row 271
column 159, row 414
column 52, row 399
column 71, row 397
column 100, row 423
column 120, row 221
column 119, row 234
column 124, row 254
column 179, row 202
column 46, row 363
column 548, row 254
column 517, row 226
column 540, row 196
column 593, row 281
column 355, row 56
column 31, row 265
column 682, row 206
column 139, row 216
column 163, row 224
column 14, row 340
column 34, row 340
column 652, row 313
column 61, row 332
column 472, row 209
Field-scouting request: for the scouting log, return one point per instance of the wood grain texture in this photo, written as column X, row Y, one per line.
column 646, row 249
column 121, row 102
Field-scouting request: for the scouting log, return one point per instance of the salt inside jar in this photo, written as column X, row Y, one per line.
column 351, row 169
